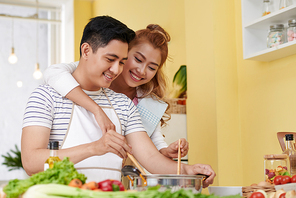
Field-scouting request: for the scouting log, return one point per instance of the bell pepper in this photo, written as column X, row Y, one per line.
column 111, row 185
column 117, row 185
column 105, row 185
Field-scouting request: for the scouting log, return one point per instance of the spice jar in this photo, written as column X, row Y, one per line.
column 276, row 35
column 275, row 164
column 285, row 3
column 291, row 31
column 266, row 7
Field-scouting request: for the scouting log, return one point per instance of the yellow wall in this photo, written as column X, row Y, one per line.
column 82, row 14
column 235, row 106
column 267, row 101
column 213, row 122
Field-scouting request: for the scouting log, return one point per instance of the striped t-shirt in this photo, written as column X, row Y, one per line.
column 48, row 108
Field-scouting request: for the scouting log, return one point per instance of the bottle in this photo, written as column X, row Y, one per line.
column 291, row 31
column 291, row 152
column 276, row 35
column 285, row 3
column 53, row 155
column 266, row 7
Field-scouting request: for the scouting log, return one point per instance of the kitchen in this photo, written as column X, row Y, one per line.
column 230, row 99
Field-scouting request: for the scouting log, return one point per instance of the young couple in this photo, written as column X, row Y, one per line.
column 102, row 125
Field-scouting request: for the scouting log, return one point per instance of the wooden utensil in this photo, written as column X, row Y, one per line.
column 179, row 158
column 136, row 163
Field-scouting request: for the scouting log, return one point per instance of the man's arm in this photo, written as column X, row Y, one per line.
column 35, row 140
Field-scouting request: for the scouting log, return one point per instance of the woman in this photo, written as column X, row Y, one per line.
column 142, row 80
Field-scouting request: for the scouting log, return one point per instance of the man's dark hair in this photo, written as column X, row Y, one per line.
column 102, row 29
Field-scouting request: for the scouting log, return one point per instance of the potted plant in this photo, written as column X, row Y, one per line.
column 180, row 83
column 13, row 162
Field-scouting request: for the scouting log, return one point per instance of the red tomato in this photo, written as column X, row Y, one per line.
column 257, row 195
column 293, row 179
column 277, row 180
column 283, row 195
column 286, row 179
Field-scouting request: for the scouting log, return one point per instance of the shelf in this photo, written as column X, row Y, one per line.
column 255, row 29
column 270, row 54
column 280, row 16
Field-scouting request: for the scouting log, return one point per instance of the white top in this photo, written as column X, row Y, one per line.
column 59, row 76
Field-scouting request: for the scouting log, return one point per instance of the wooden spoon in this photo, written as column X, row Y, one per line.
column 179, row 158
column 136, row 163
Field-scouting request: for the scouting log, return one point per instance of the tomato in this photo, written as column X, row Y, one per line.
column 277, row 180
column 283, row 195
column 286, row 179
column 257, row 195
column 293, row 179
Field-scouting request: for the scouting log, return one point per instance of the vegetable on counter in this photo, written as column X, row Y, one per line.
column 278, row 194
column 106, row 185
column 59, row 191
column 111, row 185
column 63, row 172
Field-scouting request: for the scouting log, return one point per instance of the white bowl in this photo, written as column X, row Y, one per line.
column 225, row 190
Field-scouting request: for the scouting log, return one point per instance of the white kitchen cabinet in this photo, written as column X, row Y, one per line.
column 255, row 30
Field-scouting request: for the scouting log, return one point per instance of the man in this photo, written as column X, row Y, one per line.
column 49, row 116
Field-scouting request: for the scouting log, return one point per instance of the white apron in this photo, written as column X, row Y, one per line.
column 83, row 129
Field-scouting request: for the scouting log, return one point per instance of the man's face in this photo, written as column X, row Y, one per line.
column 105, row 65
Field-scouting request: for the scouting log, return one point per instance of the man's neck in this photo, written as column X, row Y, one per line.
column 81, row 77
column 119, row 86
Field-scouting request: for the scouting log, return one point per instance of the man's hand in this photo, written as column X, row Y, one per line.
column 201, row 169
column 172, row 150
column 112, row 142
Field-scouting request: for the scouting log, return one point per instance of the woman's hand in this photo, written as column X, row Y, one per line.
column 204, row 169
column 104, row 122
column 172, row 150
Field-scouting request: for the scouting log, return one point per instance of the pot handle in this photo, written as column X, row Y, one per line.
column 205, row 176
column 129, row 170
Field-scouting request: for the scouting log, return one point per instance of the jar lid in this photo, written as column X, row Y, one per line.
column 277, row 26
column 292, row 22
column 266, row 0
column 276, row 156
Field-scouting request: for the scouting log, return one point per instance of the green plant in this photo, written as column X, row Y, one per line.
column 13, row 163
column 180, row 82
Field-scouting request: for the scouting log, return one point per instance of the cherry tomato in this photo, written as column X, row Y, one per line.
column 286, row 179
column 257, row 195
column 293, row 179
column 277, row 180
column 283, row 195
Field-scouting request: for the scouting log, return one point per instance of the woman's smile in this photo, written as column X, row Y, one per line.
column 135, row 77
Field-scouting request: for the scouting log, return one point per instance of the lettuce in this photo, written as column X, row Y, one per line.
column 62, row 173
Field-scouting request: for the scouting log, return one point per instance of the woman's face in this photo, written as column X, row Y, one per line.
column 142, row 64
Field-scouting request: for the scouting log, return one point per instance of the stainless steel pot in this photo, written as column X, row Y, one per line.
column 170, row 181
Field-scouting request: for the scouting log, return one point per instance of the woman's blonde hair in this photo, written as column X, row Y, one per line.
column 158, row 38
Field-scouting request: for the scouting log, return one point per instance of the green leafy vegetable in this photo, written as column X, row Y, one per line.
column 13, row 163
column 58, row 191
column 62, row 173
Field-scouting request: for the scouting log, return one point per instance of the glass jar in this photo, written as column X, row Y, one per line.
column 274, row 165
column 285, row 3
column 266, row 7
column 291, row 31
column 276, row 35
